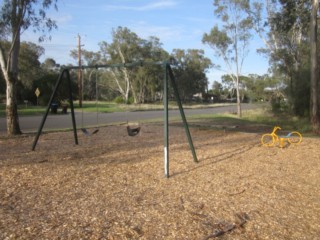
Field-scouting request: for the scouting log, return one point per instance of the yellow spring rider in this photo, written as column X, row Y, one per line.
column 271, row 139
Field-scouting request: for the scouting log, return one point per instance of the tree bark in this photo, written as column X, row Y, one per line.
column 314, row 112
column 19, row 14
column 10, row 72
column 239, row 112
column 13, row 126
column 126, row 75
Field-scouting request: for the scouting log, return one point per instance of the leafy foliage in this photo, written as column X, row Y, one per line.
column 190, row 69
column 15, row 17
column 288, row 47
column 144, row 84
column 230, row 40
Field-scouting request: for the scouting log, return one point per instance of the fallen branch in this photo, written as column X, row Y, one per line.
column 225, row 227
column 233, row 194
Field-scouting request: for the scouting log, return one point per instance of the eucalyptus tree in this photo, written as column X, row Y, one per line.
column 147, row 81
column 256, row 86
column 314, row 99
column 29, row 63
column 17, row 16
column 217, row 88
column 190, row 71
column 49, row 64
column 284, row 27
column 230, row 40
column 87, row 79
column 293, row 35
column 29, row 68
column 88, row 57
column 127, row 46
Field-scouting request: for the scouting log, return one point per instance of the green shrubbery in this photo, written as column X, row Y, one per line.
column 121, row 100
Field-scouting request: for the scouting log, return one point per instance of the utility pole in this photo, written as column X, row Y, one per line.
column 79, row 72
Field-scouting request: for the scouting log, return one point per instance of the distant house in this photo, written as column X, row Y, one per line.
column 276, row 92
column 205, row 97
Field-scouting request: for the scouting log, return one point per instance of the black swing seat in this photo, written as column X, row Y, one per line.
column 133, row 131
column 95, row 131
column 87, row 133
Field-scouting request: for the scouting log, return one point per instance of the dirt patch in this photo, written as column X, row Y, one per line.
column 112, row 186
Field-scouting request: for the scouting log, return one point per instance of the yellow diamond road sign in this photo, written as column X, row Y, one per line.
column 37, row 92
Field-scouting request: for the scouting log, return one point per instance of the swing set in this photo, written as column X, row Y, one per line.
column 131, row 130
column 168, row 75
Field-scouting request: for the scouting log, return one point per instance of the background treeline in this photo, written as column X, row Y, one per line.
column 127, row 85
column 285, row 31
column 130, row 85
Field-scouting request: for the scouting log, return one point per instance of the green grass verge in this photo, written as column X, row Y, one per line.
column 258, row 117
column 103, row 107
column 24, row 111
column 285, row 121
column 262, row 116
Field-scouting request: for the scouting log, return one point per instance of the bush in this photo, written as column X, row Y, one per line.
column 119, row 100
column 130, row 100
column 275, row 105
column 278, row 105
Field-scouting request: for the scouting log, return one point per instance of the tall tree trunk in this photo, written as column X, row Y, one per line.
column 10, row 72
column 314, row 113
column 16, row 15
column 13, row 127
column 239, row 112
column 126, row 75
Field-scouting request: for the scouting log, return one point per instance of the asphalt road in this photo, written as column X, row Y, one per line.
column 64, row 121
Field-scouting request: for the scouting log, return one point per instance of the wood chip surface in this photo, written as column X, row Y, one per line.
column 112, row 186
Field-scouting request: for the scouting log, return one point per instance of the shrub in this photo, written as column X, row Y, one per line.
column 130, row 100
column 119, row 100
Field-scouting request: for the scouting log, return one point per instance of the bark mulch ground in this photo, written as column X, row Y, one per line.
column 112, row 186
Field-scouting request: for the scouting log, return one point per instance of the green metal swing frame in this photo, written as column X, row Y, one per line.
column 168, row 75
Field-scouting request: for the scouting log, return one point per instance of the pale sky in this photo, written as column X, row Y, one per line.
column 177, row 23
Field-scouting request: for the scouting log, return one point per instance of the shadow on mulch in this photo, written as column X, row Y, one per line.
column 229, row 124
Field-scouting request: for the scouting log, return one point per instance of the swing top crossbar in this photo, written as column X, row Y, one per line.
column 117, row 65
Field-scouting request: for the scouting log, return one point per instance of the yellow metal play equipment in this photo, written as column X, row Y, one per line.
column 271, row 139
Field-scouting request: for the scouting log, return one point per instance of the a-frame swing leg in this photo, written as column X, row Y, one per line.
column 183, row 116
column 168, row 72
column 64, row 71
column 166, row 123
column 72, row 109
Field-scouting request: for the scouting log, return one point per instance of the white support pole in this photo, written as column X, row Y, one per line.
column 166, row 123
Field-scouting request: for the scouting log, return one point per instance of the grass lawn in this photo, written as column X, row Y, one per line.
column 260, row 116
column 104, row 107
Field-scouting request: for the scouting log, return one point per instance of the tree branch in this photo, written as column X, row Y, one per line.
column 3, row 64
